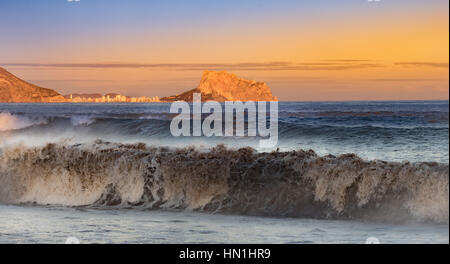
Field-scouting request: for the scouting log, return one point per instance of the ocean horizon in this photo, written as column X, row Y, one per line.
column 241, row 124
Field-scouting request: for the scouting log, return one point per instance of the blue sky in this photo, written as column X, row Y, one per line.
column 131, row 32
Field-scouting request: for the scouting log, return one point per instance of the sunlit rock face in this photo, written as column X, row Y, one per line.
column 223, row 86
column 15, row 90
column 232, row 88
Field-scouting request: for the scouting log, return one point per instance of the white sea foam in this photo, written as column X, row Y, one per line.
column 9, row 121
column 293, row 184
column 82, row 120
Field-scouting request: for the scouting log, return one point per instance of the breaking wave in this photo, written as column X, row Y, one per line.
column 220, row 180
column 15, row 122
column 82, row 120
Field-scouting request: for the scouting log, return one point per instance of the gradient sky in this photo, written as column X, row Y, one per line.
column 305, row 50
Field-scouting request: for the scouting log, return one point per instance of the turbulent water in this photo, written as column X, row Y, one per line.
column 366, row 161
column 391, row 131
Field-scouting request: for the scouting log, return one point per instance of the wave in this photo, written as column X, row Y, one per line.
column 390, row 141
column 82, row 120
column 230, row 181
column 149, row 124
column 15, row 122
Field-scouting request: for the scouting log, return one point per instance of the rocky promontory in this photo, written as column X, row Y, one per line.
column 223, row 86
column 15, row 90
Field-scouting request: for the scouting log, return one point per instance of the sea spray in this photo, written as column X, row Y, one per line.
column 9, row 121
column 236, row 181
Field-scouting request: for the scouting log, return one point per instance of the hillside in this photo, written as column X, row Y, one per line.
column 15, row 90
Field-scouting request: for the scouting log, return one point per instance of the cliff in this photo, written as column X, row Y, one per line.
column 223, row 86
column 15, row 90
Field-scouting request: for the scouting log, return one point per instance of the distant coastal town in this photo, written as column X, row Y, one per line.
column 109, row 98
column 214, row 86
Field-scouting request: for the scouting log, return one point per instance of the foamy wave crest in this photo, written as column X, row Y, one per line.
column 283, row 184
column 14, row 122
column 82, row 120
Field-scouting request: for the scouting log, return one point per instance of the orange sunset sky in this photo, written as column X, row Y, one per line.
column 304, row 50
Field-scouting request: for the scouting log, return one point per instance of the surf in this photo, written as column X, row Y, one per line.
column 226, row 181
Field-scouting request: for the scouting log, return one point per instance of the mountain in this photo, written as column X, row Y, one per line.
column 15, row 90
column 223, row 86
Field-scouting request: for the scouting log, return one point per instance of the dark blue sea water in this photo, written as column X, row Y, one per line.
column 101, row 191
column 388, row 130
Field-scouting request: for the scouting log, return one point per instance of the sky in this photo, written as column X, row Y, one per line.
column 309, row 50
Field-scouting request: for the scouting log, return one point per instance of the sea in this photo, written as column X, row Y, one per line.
column 342, row 172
